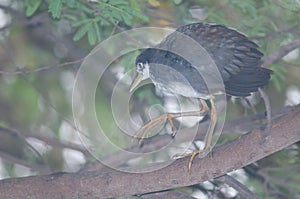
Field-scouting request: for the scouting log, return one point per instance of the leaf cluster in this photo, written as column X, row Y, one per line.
column 89, row 17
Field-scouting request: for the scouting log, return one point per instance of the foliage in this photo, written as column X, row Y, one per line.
column 279, row 77
column 89, row 17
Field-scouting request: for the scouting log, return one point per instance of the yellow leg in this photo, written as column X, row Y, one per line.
column 146, row 129
column 208, row 137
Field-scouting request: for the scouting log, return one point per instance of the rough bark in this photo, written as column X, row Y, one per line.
column 92, row 184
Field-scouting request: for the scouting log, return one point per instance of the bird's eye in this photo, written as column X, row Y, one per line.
column 140, row 66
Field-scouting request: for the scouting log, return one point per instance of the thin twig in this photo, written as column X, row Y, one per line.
column 15, row 160
column 281, row 52
column 40, row 69
column 277, row 33
column 22, row 137
column 167, row 194
column 238, row 186
column 48, row 140
column 11, row 10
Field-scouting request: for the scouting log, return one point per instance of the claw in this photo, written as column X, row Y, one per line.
column 170, row 120
column 192, row 156
column 190, row 162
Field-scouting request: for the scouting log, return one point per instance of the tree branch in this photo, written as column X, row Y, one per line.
column 235, row 126
column 228, row 157
column 167, row 194
column 35, row 167
column 281, row 52
column 241, row 188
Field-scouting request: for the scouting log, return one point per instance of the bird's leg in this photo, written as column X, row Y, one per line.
column 266, row 99
column 208, row 137
column 250, row 106
column 146, row 129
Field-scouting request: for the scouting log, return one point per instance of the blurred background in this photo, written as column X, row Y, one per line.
column 43, row 43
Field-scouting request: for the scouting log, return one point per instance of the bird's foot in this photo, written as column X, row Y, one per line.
column 193, row 155
column 147, row 128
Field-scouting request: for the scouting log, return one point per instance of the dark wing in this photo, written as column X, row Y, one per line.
column 237, row 58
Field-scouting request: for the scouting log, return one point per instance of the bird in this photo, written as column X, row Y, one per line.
column 238, row 61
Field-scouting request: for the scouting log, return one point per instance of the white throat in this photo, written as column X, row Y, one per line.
column 146, row 71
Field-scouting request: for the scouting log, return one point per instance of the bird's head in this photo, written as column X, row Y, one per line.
column 142, row 68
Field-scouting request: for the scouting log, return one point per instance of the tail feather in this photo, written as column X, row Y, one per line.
column 247, row 81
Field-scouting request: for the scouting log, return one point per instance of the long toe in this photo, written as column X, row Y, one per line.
column 145, row 130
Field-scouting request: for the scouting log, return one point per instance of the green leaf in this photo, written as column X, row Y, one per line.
column 292, row 5
column 81, row 22
column 278, row 77
column 277, row 84
column 92, row 35
column 70, row 3
column 177, row 1
column 118, row 10
column 54, row 8
column 81, row 31
column 70, row 17
column 246, row 6
column 31, row 6
column 127, row 19
column 281, row 74
column 97, row 31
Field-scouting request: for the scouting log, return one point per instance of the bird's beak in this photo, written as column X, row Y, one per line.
column 136, row 82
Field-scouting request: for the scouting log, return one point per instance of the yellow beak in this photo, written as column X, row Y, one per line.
column 136, row 82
